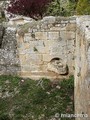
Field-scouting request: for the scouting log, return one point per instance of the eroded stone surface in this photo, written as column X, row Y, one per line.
column 36, row 43
column 9, row 62
column 82, row 67
column 57, row 66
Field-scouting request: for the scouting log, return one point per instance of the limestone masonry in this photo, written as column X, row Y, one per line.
column 39, row 48
column 54, row 47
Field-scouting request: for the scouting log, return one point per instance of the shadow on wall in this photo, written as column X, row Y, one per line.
column 2, row 32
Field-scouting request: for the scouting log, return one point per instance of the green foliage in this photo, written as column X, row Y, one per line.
column 56, row 9
column 5, row 117
column 71, row 8
column 83, row 7
column 62, row 8
column 26, row 99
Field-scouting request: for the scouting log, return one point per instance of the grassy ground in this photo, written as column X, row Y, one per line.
column 26, row 99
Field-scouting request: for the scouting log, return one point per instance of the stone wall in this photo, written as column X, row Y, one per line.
column 82, row 67
column 9, row 62
column 46, row 47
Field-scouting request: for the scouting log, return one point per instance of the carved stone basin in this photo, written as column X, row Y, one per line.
column 56, row 65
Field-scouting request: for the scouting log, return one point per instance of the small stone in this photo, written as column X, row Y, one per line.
column 57, row 67
column 22, row 81
column 48, row 93
column 7, row 82
column 58, row 87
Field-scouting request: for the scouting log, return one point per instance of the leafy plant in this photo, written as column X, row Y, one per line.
column 83, row 7
column 62, row 8
column 32, row 8
column 5, row 117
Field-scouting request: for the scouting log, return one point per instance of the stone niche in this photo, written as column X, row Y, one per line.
column 56, row 65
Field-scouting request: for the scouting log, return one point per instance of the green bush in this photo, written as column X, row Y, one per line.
column 83, row 7
column 56, row 9
column 60, row 8
column 4, row 117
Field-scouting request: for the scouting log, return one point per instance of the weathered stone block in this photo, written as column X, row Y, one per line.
column 27, row 38
column 46, row 57
column 49, row 19
column 58, row 27
column 67, row 35
column 38, row 46
column 34, row 58
column 64, row 21
column 41, row 35
column 57, row 66
column 71, row 27
column 31, row 68
column 53, row 35
column 26, row 46
column 22, row 58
